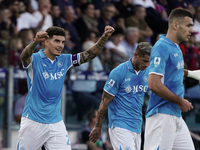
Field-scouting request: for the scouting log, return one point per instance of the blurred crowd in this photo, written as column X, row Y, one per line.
column 84, row 21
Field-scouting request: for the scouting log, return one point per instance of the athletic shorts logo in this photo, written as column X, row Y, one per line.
column 22, row 148
column 45, row 75
column 157, row 60
column 112, row 82
column 127, row 148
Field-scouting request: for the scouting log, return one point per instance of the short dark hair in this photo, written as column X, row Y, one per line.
column 144, row 48
column 55, row 31
column 179, row 13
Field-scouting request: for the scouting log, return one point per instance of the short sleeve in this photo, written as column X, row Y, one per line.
column 114, row 81
column 158, row 59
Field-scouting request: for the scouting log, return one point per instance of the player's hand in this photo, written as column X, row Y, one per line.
column 185, row 106
column 108, row 31
column 41, row 36
column 95, row 134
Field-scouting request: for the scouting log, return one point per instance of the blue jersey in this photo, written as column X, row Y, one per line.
column 45, row 81
column 166, row 60
column 128, row 88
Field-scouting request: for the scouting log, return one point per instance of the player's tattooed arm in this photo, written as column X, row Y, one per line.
column 93, row 51
column 27, row 53
column 96, row 131
column 106, row 99
column 97, row 48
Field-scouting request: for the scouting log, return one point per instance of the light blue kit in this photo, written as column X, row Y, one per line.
column 45, row 82
column 166, row 60
column 128, row 88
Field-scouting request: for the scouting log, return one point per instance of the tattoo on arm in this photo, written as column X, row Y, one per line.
column 93, row 51
column 27, row 53
column 106, row 99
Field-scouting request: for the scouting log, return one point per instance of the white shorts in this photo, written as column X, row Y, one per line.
column 123, row 139
column 32, row 135
column 167, row 132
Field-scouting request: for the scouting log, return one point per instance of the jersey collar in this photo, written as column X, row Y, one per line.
column 164, row 38
column 42, row 53
column 130, row 66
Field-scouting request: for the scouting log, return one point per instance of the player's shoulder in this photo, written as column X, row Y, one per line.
column 161, row 45
column 120, row 70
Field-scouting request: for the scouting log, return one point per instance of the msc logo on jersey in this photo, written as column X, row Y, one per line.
column 53, row 76
column 180, row 65
column 136, row 88
column 45, row 75
column 156, row 61
column 111, row 82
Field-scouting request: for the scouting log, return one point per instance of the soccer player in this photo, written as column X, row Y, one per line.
column 41, row 119
column 165, row 129
column 123, row 95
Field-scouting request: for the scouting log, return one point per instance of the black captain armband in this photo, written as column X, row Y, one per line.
column 75, row 60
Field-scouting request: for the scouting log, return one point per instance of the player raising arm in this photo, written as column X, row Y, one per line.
column 41, row 122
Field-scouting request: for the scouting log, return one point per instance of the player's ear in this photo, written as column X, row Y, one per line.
column 136, row 54
column 46, row 42
column 175, row 25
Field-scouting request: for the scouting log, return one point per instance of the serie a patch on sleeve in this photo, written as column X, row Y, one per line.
column 156, row 61
column 111, row 82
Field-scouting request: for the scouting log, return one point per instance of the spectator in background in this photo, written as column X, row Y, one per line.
column 106, row 17
column 55, row 14
column 119, row 22
column 191, row 57
column 68, row 44
column 25, row 20
column 78, row 4
column 100, row 144
column 5, row 21
column 15, row 49
column 20, row 102
column 191, row 54
column 85, row 92
column 172, row 4
column 118, row 52
column 124, row 8
column 13, row 7
column 144, row 3
column 196, row 27
column 63, row 3
column 66, row 22
column 87, row 21
column 131, row 41
column 137, row 20
column 42, row 14
column 27, row 36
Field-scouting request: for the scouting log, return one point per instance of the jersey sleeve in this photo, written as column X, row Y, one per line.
column 158, row 59
column 27, row 67
column 114, row 81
